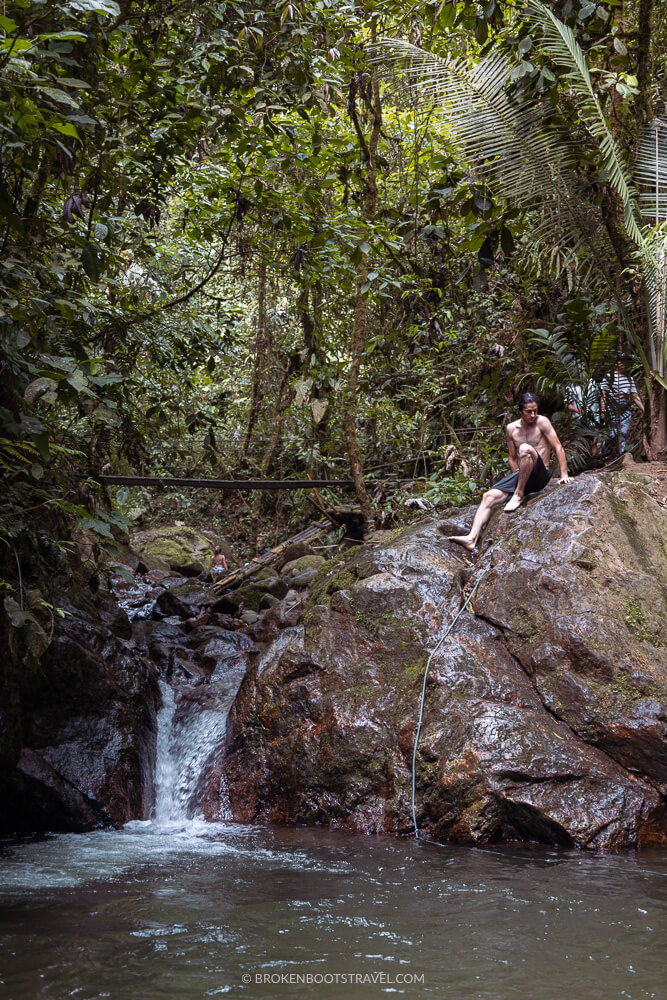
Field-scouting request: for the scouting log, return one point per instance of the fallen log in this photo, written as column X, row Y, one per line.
column 248, row 569
column 167, row 482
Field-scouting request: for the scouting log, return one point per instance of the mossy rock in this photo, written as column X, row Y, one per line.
column 292, row 552
column 250, row 595
column 174, row 546
column 301, row 564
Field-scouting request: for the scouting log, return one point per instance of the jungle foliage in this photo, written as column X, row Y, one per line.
column 237, row 242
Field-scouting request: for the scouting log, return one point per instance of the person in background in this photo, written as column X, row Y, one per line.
column 618, row 392
column 584, row 401
column 218, row 563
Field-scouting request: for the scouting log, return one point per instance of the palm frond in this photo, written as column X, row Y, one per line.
column 510, row 143
column 513, row 145
column 654, row 263
column 559, row 42
column 651, row 170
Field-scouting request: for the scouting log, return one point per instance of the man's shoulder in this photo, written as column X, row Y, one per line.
column 512, row 425
column 544, row 423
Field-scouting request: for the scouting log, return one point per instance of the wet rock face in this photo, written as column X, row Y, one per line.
column 88, row 733
column 588, row 623
column 545, row 710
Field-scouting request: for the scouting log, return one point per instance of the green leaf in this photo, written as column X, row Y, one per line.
column 60, row 96
column 506, row 241
column 95, row 525
column 482, row 203
column 16, row 45
column 93, row 261
column 66, row 128
column 105, row 415
column 108, row 7
column 64, row 36
column 41, row 389
column 79, row 382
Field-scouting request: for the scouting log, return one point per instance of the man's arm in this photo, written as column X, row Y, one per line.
column 547, row 429
column 638, row 401
column 513, row 458
column 604, row 388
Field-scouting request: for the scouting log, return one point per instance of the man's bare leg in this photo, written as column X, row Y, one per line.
column 490, row 500
column 527, row 459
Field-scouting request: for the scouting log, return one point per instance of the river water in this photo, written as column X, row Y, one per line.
column 185, row 910
column 178, row 909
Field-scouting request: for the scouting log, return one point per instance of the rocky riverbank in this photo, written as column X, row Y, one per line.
column 544, row 717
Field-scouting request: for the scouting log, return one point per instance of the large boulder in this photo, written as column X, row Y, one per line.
column 298, row 566
column 250, row 594
column 175, row 547
column 183, row 600
column 88, row 732
column 545, row 708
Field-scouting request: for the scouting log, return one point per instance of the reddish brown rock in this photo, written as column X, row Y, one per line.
column 545, row 711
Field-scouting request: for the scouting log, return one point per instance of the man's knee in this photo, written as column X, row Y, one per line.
column 493, row 497
column 527, row 451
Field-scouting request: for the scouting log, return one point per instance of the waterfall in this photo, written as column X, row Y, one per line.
column 191, row 729
column 169, row 808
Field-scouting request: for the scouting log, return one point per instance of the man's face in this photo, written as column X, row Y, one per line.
column 529, row 413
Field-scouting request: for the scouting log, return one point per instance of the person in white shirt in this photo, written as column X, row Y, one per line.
column 617, row 395
column 584, row 401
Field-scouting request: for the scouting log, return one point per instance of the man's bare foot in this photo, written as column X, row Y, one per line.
column 463, row 540
column 513, row 504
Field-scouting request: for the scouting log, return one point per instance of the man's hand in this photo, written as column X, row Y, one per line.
column 565, row 479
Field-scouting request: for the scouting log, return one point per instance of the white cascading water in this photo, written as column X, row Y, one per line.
column 187, row 740
column 168, row 808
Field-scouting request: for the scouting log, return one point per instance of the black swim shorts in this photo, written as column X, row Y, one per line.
column 537, row 480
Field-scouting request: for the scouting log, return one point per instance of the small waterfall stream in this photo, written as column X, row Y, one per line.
column 169, row 808
column 191, row 728
column 200, row 670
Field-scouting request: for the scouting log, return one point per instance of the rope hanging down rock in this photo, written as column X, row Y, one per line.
column 423, row 697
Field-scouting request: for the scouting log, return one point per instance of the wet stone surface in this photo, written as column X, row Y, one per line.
column 545, row 709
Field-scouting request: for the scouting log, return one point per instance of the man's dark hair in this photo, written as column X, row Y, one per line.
column 527, row 397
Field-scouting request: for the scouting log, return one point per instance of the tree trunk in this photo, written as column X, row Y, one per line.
column 262, row 345
column 359, row 328
column 315, row 355
column 282, row 405
column 656, row 446
column 643, row 58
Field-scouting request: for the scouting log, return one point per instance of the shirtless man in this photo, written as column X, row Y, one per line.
column 529, row 443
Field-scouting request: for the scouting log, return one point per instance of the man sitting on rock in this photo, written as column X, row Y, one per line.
column 529, row 443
